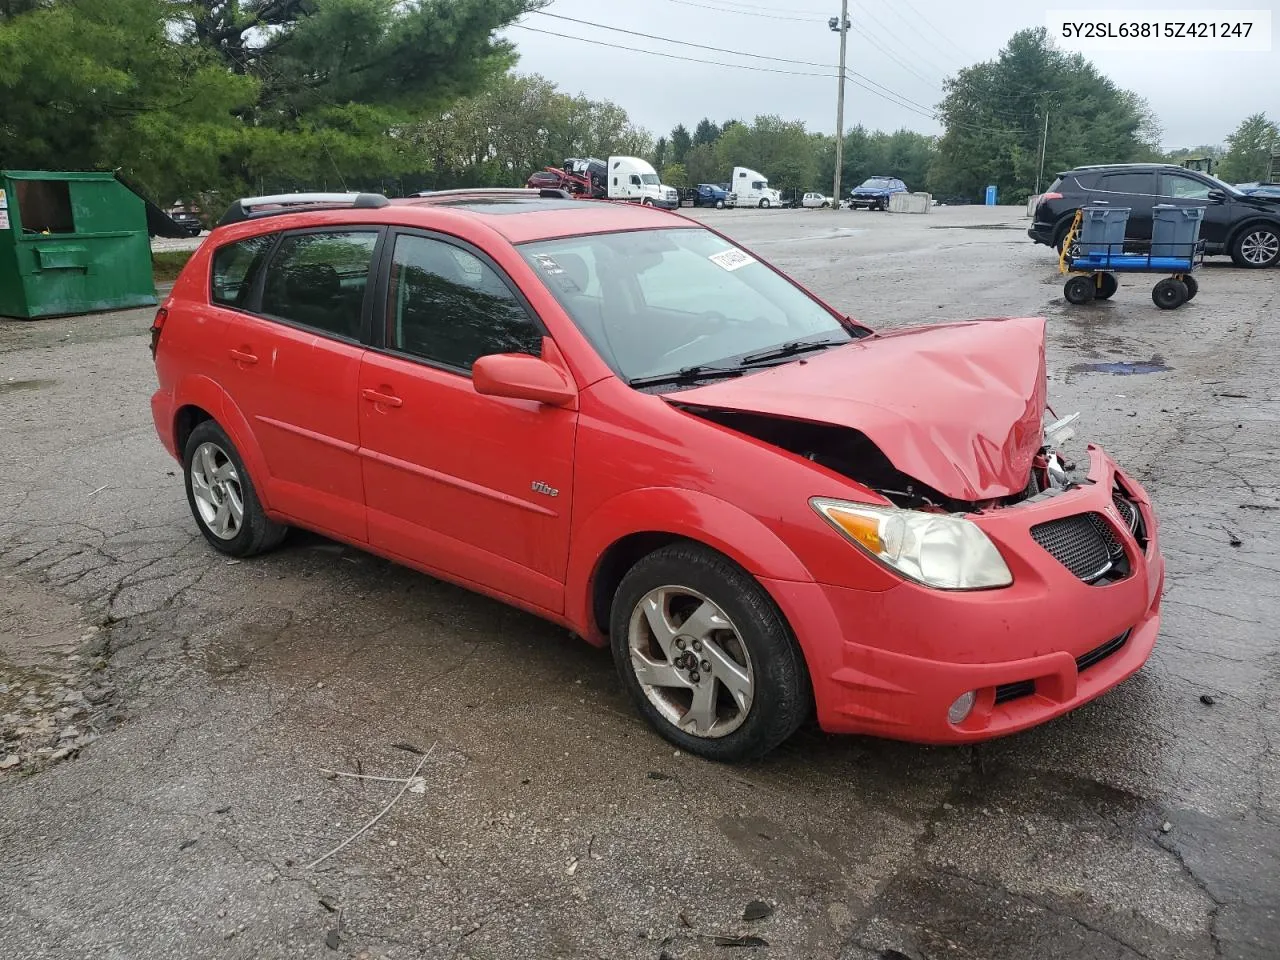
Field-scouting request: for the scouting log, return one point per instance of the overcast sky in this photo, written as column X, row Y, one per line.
column 905, row 46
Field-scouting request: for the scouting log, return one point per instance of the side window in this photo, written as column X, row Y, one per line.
column 1139, row 183
column 1184, row 188
column 319, row 279
column 450, row 307
column 235, row 267
column 635, row 181
column 757, row 185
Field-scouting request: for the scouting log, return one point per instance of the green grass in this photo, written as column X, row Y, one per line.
column 168, row 264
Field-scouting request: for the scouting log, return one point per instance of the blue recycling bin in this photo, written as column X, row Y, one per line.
column 991, row 195
column 1175, row 230
column 1102, row 230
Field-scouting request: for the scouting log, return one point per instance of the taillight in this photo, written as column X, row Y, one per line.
column 156, row 326
column 1050, row 196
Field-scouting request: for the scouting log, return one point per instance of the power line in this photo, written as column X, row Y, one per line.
column 682, row 43
column 745, row 13
column 671, row 56
column 919, row 35
column 928, row 23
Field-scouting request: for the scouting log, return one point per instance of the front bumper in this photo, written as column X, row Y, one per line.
column 868, row 200
column 665, row 204
column 890, row 664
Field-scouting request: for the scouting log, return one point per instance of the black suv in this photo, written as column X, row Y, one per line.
column 1246, row 227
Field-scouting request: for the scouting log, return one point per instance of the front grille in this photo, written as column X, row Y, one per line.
column 1131, row 515
column 1014, row 691
column 1098, row 654
column 1082, row 543
column 1025, row 688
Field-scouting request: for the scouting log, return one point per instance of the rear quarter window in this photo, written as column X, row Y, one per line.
column 235, row 267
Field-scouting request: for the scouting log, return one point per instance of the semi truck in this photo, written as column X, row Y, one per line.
column 751, row 189
column 634, row 180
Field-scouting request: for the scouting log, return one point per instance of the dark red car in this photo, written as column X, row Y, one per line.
column 618, row 419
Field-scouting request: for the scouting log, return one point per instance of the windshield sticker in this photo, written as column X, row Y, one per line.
column 731, row 259
column 548, row 263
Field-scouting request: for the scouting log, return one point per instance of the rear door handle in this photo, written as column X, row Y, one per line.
column 386, row 399
column 243, row 356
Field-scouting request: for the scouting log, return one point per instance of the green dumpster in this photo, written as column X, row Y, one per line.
column 71, row 243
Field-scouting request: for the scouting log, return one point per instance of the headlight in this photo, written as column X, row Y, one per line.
column 935, row 549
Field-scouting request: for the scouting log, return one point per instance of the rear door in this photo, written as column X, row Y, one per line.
column 1134, row 189
column 297, row 364
column 476, row 487
column 1188, row 190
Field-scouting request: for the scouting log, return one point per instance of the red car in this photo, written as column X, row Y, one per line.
column 616, row 418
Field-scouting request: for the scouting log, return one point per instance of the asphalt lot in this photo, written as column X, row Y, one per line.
column 553, row 824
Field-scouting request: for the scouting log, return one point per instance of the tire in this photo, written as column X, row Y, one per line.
column 1169, row 294
column 764, row 204
column 1079, row 289
column 719, row 204
column 210, row 453
column 1256, row 247
column 646, row 202
column 1106, row 286
column 1192, row 285
column 753, row 650
column 826, row 206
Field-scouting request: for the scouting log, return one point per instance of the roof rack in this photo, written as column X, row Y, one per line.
column 543, row 193
column 249, row 208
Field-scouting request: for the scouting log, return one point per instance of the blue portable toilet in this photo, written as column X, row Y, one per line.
column 991, row 195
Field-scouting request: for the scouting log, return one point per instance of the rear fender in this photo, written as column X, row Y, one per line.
column 202, row 392
column 682, row 513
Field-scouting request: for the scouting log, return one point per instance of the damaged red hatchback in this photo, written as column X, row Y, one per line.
column 618, row 419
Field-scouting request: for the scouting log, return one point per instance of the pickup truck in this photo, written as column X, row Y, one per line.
column 705, row 195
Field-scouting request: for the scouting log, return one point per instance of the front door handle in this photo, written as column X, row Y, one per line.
column 244, row 356
column 386, row 399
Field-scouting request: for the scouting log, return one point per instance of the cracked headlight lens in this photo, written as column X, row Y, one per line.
column 935, row 549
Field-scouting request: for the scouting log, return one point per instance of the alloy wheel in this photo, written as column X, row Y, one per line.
column 1260, row 247
column 215, row 486
column 690, row 661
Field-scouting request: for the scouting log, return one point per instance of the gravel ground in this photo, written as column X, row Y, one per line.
column 208, row 697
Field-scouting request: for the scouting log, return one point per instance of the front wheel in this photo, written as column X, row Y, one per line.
column 1169, row 294
column 646, row 202
column 1107, row 286
column 706, row 655
column 1193, row 287
column 1079, row 289
column 719, row 204
column 764, row 204
column 1257, row 247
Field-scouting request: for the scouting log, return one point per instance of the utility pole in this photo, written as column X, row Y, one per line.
column 840, row 26
column 1044, row 144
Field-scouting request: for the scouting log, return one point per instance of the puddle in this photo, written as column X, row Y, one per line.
column 1124, row 368
column 7, row 385
column 977, row 226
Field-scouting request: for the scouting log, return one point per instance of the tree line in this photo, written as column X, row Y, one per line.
column 205, row 100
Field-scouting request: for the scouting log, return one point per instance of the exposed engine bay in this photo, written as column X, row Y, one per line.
column 851, row 453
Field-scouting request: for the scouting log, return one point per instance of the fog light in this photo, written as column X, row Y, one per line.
column 961, row 708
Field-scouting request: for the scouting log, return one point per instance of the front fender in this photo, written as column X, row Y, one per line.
column 683, row 513
column 208, row 395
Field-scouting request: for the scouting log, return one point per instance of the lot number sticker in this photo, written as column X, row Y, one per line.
column 731, row 259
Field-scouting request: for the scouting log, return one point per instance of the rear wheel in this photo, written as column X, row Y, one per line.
column 706, row 656
column 1193, row 287
column 1257, row 247
column 1169, row 294
column 222, row 497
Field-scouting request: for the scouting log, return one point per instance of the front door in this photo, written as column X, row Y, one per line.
column 297, row 363
column 474, row 487
column 1188, row 190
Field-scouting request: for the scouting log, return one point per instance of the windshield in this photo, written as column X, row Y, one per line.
column 648, row 178
column 877, row 182
column 1224, row 186
column 654, row 302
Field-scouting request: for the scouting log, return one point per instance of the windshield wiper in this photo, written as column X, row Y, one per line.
column 687, row 375
column 788, row 349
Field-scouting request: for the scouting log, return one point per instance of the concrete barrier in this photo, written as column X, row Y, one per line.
column 910, row 203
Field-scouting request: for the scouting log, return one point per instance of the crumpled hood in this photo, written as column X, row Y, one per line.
column 957, row 406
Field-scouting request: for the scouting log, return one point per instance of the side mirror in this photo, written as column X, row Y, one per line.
column 523, row 377
column 1218, row 196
